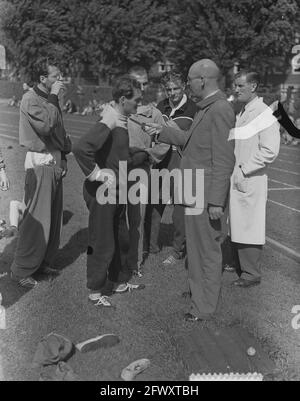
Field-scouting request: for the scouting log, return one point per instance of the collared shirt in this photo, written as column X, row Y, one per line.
column 247, row 105
column 180, row 104
column 211, row 94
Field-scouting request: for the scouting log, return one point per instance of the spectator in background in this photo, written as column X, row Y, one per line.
column 16, row 211
column 4, row 182
column 88, row 110
column 69, row 107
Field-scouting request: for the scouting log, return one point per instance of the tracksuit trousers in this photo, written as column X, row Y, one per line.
column 105, row 266
column 40, row 228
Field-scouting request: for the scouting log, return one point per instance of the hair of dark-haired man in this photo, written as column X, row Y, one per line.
column 41, row 67
column 251, row 77
column 124, row 86
column 171, row 76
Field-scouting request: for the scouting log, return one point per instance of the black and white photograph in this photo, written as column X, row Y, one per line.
column 149, row 193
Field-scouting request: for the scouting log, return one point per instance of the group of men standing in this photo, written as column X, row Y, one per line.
column 189, row 133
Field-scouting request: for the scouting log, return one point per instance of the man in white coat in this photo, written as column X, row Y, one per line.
column 257, row 143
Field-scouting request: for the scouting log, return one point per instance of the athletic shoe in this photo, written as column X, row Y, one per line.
column 170, row 261
column 137, row 273
column 136, row 367
column 100, row 300
column 104, row 341
column 229, row 268
column 127, row 287
column 27, row 282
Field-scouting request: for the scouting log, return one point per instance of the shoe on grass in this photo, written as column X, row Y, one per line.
column 103, row 341
column 27, row 282
column 229, row 268
column 188, row 317
column 242, row 283
column 100, row 300
column 137, row 273
column 127, row 287
column 170, row 261
column 135, row 368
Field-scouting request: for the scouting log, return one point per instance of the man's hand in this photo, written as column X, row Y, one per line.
column 240, row 181
column 106, row 177
column 153, row 130
column 215, row 212
column 57, row 86
column 4, row 182
column 64, row 167
column 112, row 119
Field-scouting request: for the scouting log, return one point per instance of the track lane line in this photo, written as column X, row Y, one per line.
column 282, row 183
column 284, row 171
column 282, row 205
column 283, row 189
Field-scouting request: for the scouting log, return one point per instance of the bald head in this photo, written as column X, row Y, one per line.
column 203, row 79
column 205, row 68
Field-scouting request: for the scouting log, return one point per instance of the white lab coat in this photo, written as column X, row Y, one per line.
column 248, row 195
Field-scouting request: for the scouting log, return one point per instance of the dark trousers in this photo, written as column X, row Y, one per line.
column 154, row 215
column 39, row 231
column 203, row 239
column 104, row 262
column 247, row 259
column 136, row 220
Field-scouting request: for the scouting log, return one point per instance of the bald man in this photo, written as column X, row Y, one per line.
column 206, row 148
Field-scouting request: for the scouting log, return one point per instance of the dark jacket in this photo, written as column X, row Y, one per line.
column 101, row 148
column 206, row 147
column 183, row 117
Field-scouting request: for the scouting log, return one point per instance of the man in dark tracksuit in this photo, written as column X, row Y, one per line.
column 98, row 153
column 41, row 131
column 177, row 108
column 205, row 147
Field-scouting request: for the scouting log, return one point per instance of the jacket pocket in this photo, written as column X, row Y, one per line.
column 240, row 183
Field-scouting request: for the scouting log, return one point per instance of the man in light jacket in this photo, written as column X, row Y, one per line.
column 257, row 142
column 42, row 133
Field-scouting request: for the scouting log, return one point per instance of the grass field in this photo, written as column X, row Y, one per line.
column 147, row 322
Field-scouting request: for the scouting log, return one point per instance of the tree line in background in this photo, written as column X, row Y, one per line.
column 104, row 38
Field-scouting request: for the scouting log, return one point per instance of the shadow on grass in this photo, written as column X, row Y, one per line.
column 166, row 235
column 9, row 289
column 76, row 246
